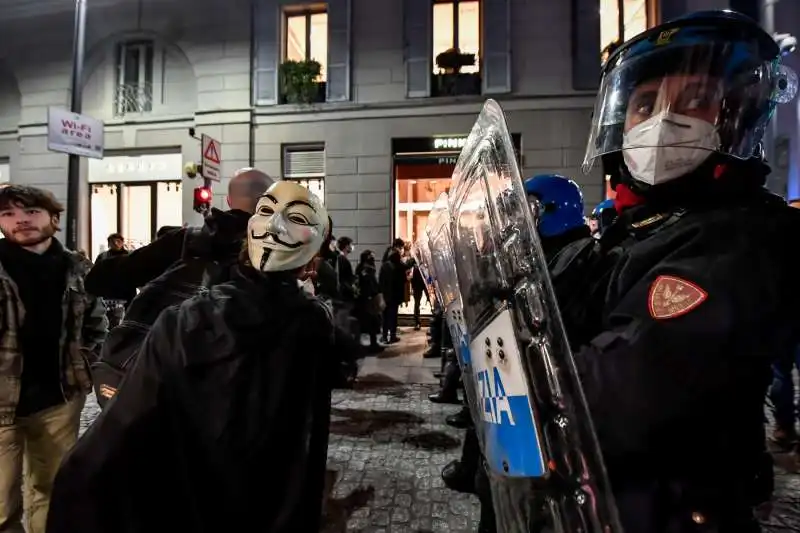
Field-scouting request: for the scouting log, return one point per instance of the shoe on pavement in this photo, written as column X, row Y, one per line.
column 438, row 397
column 457, row 478
column 460, row 420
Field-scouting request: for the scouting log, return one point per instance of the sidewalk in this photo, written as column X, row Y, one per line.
column 388, row 446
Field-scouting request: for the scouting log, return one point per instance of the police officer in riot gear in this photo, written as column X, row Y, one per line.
column 603, row 215
column 559, row 202
column 681, row 327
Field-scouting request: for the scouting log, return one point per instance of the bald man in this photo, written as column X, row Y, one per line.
column 222, row 232
column 245, row 188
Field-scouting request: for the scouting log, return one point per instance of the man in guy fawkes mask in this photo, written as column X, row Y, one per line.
column 222, row 401
column 686, row 307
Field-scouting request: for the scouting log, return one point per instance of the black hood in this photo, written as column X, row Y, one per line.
column 222, row 235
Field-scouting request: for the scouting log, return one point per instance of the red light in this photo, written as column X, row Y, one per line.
column 202, row 194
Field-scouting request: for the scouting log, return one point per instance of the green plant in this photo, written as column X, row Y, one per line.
column 299, row 81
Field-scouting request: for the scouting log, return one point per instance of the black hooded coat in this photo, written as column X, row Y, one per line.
column 216, row 426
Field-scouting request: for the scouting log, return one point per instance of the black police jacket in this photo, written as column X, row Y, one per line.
column 680, row 322
column 222, row 404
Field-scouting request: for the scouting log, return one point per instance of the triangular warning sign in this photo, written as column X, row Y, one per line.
column 211, row 153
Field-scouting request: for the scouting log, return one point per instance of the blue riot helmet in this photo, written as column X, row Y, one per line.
column 685, row 96
column 605, row 214
column 560, row 203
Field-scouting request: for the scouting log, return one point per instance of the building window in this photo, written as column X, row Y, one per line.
column 456, row 47
column 306, row 166
column 134, row 92
column 307, row 38
column 622, row 19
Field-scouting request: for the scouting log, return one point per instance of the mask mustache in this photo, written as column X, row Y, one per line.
column 275, row 238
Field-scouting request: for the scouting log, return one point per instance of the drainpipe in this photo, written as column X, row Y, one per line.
column 252, row 147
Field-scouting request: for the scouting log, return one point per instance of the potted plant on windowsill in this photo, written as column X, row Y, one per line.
column 299, row 83
column 451, row 81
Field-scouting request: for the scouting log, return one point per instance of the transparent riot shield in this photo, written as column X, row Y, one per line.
column 538, row 437
column 422, row 253
column 443, row 268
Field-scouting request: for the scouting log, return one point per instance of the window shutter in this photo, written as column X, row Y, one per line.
column 339, row 26
column 303, row 163
column 496, row 53
column 585, row 45
column 267, row 31
column 418, row 46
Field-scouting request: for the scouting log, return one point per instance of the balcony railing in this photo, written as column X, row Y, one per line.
column 133, row 98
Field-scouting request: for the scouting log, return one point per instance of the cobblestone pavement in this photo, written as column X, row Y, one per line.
column 389, row 443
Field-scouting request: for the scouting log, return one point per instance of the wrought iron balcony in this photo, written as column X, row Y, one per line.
column 133, row 98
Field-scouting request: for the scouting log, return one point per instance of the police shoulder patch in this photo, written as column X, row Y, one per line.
column 671, row 297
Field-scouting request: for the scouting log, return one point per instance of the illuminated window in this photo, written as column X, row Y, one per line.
column 307, row 38
column 456, row 24
column 622, row 19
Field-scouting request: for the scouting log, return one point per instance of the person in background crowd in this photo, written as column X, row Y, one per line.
column 347, row 279
column 115, row 307
column 49, row 326
column 370, row 300
column 326, row 279
column 392, row 280
column 228, row 393
column 116, row 277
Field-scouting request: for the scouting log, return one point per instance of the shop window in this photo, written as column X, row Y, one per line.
column 306, row 166
column 135, row 209
column 5, row 172
column 622, row 19
column 417, row 186
column 456, row 47
column 306, row 39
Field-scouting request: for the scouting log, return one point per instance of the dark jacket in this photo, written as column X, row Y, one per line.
column 675, row 390
column 207, row 254
column 225, row 396
column 115, row 277
column 84, row 328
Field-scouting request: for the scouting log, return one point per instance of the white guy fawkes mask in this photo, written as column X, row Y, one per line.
column 287, row 229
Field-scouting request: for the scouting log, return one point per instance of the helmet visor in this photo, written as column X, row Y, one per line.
column 723, row 86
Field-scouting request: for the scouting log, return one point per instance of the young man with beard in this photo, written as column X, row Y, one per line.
column 49, row 324
column 227, row 398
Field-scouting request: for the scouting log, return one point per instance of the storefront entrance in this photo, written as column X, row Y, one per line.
column 423, row 168
column 133, row 196
column 135, row 210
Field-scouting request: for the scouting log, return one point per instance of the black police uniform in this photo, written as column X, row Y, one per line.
column 676, row 390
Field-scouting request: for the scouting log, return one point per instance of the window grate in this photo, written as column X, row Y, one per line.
column 303, row 164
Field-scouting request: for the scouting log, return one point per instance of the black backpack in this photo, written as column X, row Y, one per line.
column 178, row 283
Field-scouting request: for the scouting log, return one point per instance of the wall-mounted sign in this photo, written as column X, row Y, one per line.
column 449, row 143
column 148, row 167
column 74, row 134
column 419, row 146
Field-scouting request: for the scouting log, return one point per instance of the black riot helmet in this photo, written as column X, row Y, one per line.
column 698, row 88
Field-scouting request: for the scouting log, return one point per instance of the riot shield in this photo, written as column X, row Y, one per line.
column 443, row 268
column 538, row 437
column 421, row 252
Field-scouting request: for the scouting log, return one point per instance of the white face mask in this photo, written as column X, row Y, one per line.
column 667, row 146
